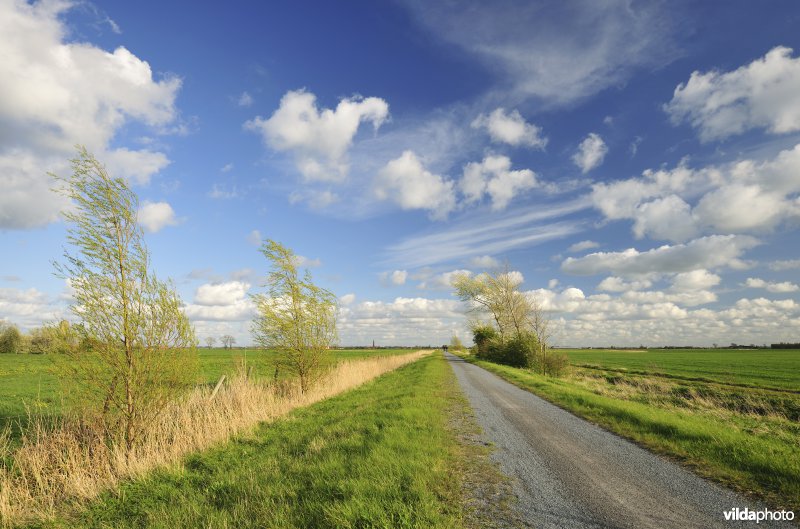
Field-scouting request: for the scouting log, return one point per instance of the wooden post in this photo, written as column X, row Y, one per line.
column 216, row 388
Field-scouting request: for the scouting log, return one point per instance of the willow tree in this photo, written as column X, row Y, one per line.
column 137, row 347
column 295, row 318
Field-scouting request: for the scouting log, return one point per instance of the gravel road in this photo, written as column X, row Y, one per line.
column 568, row 473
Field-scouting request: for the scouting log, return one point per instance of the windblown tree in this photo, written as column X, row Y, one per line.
column 295, row 318
column 518, row 330
column 137, row 347
column 210, row 341
column 227, row 341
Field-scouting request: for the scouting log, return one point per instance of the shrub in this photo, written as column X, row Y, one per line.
column 10, row 339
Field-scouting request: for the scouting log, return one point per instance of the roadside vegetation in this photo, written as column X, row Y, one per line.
column 716, row 413
column 511, row 328
column 383, row 456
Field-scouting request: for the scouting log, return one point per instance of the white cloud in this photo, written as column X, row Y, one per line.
column 706, row 252
column 590, row 153
column 744, row 196
column 695, row 280
column 511, row 129
column 315, row 198
column 319, row 139
column 221, row 302
column 55, row 94
column 155, row 216
column 533, row 49
column 395, row 277
column 305, row 262
column 244, row 99
column 763, row 94
column 553, row 283
column 790, row 264
column 347, row 299
column 617, row 284
column 493, row 176
column 29, row 307
column 443, row 281
column 221, row 293
column 227, row 168
column 582, row 246
column 255, row 238
column 778, row 288
column 484, row 261
column 406, row 182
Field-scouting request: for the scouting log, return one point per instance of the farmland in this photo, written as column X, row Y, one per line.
column 29, row 383
column 730, row 415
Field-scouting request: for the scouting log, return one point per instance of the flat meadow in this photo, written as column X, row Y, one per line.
column 732, row 415
column 30, row 385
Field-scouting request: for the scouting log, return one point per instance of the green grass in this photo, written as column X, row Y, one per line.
column 379, row 456
column 756, row 452
column 764, row 368
column 28, row 383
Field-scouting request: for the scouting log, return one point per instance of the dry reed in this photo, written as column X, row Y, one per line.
column 57, row 468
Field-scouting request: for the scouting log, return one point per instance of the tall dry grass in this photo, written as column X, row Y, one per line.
column 60, row 467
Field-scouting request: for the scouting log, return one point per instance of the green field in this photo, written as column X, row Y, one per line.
column 763, row 368
column 383, row 455
column 28, row 383
column 730, row 415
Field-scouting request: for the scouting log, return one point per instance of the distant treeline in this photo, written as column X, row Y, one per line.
column 786, row 345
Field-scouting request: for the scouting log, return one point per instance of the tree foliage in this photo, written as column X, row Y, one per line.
column 10, row 338
column 227, row 341
column 137, row 347
column 518, row 331
column 295, row 317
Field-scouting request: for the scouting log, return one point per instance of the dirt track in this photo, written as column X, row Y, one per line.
column 571, row 474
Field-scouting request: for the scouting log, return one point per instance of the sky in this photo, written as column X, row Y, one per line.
column 636, row 162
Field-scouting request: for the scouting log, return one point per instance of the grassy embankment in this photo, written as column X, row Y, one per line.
column 29, row 384
column 382, row 455
column 731, row 415
column 57, row 467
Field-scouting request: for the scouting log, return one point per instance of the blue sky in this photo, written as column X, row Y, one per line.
column 637, row 163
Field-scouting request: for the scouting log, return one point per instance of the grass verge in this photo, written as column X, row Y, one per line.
column 756, row 455
column 62, row 467
column 381, row 456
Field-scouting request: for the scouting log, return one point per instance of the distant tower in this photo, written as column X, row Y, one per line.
column 373, row 344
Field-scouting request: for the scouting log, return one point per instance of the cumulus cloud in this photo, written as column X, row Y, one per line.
column 154, row 216
column 226, row 301
column 789, row 264
column 443, row 281
column 319, row 139
column 347, row 299
column 582, row 246
column 617, row 284
column 484, row 261
column 305, row 262
column 764, row 94
column 395, row 277
column 706, row 252
column 744, row 196
column 29, row 307
column 494, row 177
column 255, row 238
column 511, row 129
column 406, row 182
column 778, row 288
column 695, row 280
column 56, row 93
column 590, row 153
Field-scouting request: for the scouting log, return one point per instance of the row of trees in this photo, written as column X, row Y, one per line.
column 226, row 340
column 511, row 327
column 134, row 349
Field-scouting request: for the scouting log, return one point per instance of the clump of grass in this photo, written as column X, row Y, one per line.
column 64, row 465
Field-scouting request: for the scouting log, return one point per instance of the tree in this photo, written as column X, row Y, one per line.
column 10, row 338
column 227, row 341
column 137, row 347
column 210, row 341
column 456, row 344
column 519, row 332
column 295, row 317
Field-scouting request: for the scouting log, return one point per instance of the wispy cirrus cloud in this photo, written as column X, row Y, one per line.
column 477, row 235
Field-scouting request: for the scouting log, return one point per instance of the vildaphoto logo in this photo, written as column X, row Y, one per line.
column 741, row 515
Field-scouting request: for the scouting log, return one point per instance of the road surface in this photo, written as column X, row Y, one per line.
column 568, row 473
